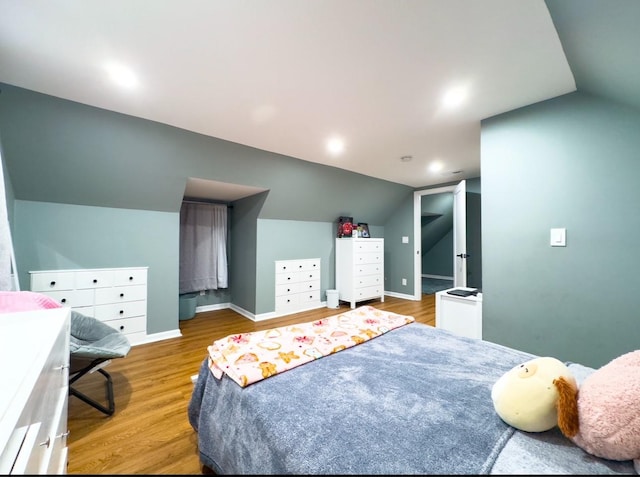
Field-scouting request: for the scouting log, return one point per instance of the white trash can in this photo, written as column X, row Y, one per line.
column 332, row 299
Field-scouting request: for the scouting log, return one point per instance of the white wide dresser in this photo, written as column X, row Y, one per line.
column 116, row 296
column 297, row 285
column 34, row 351
column 359, row 269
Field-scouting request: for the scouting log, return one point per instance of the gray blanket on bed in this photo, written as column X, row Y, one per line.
column 416, row 400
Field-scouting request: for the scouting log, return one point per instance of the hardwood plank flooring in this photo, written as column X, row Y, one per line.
column 149, row 433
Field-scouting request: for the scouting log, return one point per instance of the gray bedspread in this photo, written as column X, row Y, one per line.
column 416, row 400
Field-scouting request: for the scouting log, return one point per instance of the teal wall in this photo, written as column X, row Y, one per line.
column 51, row 236
column 569, row 162
column 94, row 188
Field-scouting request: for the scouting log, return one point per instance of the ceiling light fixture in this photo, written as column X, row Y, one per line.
column 335, row 146
column 436, row 166
column 454, row 97
column 121, row 75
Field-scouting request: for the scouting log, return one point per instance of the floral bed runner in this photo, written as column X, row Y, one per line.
column 250, row 357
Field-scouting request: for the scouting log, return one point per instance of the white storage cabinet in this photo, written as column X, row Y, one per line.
column 297, row 285
column 360, row 269
column 116, row 296
column 460, row 315
column 34, row 347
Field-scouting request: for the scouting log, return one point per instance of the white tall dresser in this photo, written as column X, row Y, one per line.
column 359, row 269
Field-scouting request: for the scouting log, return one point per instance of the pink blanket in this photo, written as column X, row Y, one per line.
column 250, row 357
column 11, row 301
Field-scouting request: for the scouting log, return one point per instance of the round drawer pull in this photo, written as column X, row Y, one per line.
column 64, row 300
column 130, row 278
column 53, row 283
column 121, row 295
column 121, row 327
column 95, row 280
column 122, row 312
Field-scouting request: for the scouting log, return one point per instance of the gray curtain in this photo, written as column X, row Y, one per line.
column 203, row 247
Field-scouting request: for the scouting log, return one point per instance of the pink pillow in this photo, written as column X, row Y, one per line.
column 11, row 301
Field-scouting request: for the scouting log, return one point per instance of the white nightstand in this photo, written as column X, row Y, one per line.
column 460, row 315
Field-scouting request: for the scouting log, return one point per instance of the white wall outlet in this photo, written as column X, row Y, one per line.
column 202, row 292
column 405, row 239
column 404, row 281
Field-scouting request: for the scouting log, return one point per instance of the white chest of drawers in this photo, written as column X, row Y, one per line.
column 117, row 296
column 34, row 345
column 297, row 285
column 359, row 269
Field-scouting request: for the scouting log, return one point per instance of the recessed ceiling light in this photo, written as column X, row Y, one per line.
column 406, row 158
column 436, row 166
column 335, row 146
column 121, row 75
column 454, row 97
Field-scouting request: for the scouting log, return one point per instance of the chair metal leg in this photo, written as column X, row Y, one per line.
column 83, row 397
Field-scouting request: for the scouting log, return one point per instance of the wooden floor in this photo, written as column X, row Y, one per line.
column 149, row 433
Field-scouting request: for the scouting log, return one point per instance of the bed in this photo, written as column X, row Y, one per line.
column 406, row 399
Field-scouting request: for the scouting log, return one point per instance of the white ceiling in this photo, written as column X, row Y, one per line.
column 285, row 75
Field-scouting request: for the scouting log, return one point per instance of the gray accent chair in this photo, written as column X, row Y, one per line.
column 92, row 345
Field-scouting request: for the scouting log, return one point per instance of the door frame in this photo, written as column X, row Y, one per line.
column 417, row 233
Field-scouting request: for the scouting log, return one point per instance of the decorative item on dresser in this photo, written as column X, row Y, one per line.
column 34, row 351
column 360, row 269
column 297, row 285
column 116, row 296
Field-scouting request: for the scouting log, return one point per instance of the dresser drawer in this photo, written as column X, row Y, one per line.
column 368, row 269
column 289, row 277
column 287, row 289
column 286, row 302
column 127, row 326
column 51, row 281
column 368, row 280
column 113, row 311
column 368, row 292
column 94, row 278
column 311, row 296
column 368, row 257
column 72, row 298
column 308, row 286
column 120, row 294
column 368, row 246
column 130, row 277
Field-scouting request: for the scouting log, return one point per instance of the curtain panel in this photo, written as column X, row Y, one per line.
column 203, row 247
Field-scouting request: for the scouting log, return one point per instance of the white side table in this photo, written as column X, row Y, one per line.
column 460, row 315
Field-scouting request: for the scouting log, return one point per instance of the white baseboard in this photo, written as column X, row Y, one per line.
column 440, row 277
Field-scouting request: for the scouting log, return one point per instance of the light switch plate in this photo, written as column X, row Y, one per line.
column 405, row 239
column 558, row 237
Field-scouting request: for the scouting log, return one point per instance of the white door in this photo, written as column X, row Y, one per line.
column 460, row 235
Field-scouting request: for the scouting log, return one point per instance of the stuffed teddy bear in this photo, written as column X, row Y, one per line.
column 603, row 416
column 525, row 397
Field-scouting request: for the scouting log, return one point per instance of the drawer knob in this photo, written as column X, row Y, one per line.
column 122, row 312
column 121, row 295
column 95, row 280
column 46, row 443
column 64, row 300
column 130, row 278
column 53, row 283
column 121, row 327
